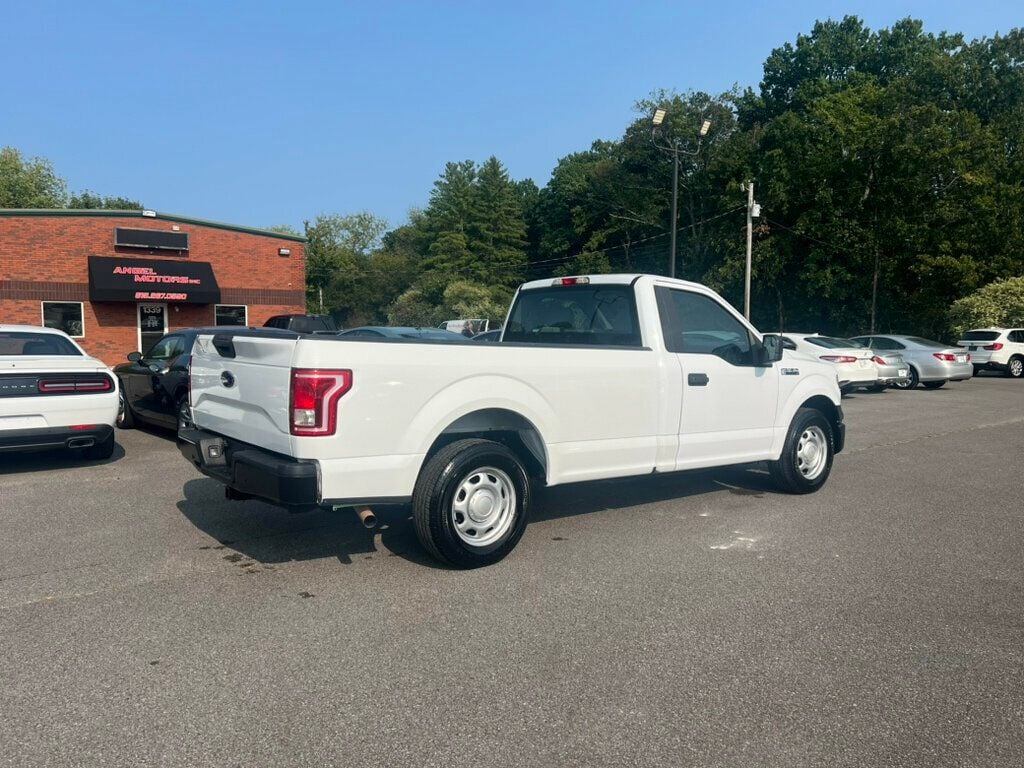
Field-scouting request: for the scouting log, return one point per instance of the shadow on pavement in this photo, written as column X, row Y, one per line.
column 45, row 461
column 268, row 535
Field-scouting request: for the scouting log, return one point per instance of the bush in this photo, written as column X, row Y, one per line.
column 997, row 304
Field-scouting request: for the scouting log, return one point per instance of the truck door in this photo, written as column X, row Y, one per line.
column 728, row 402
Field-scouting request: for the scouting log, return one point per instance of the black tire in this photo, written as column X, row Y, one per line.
column 977, row 370
column 125, row 414
column 912, row 380
column 183, row 413
column 1015, row 367
column 786, row 471
column 933, row 384
column 103, row 449
column 443, row 476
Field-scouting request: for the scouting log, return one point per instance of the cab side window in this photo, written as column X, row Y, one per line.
column 167, row 348
column 693, row 323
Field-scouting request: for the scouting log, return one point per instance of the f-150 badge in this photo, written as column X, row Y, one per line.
column 790, row 371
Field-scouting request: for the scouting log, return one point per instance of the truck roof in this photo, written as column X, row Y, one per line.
column 614, row 279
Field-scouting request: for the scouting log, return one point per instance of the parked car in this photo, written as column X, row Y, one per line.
column 603, row 376
column 931, row 363
column 853, row 362
column 303, row 323
column 54, row 395
column 468, row 327
column 154, row 385
column 387, row 332
column 996, row 349
column 489, row 337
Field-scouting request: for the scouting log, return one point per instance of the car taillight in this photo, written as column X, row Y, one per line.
column 70, row 385
column 314, row 400
column 994, row 347
column 944, row 357
column 878, row 360
column 839, row 358
column 570, row 281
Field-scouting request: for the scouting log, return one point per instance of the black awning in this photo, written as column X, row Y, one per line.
column 119, row 279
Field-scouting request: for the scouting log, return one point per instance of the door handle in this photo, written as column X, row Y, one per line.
column 697, row 379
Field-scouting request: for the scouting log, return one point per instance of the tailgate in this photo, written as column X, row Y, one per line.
column 240, row 386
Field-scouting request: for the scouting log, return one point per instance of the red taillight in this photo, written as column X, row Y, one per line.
column 994, row 347
column 878, row 360
column 570, row 281
column 839, row 358
column 314, row 400
column 944, row 357
column 82, row 427
column 60, row 386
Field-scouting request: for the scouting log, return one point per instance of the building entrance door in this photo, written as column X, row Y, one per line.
column 152, row 325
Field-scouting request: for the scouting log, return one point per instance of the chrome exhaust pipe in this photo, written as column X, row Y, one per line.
column 366, row 517
column 81, row 442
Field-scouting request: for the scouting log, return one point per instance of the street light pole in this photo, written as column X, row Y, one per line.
column 750, row 248
column 675, row 215
column 675, row 149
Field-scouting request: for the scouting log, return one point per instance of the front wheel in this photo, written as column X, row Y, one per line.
column 125, row 415
column 471, row 503
column 910, row 382
column 806, row 459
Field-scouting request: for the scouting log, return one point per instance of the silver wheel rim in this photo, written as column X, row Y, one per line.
column 1016, row 367
column 811, row 453
column 120, row 407
column 483, row 507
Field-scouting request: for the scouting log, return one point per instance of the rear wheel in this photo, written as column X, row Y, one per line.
column 933, row 384
column 910, row 382
column 977, row 370
column 103, row 449
column 184, row 413
column 471, row 502
column 125, row 415
column 1015, row 368
column 806, row 459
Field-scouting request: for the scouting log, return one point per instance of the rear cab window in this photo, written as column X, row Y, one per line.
column 593, row 314
column 28, row 344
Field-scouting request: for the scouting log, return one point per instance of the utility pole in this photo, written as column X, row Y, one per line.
column 750, row 248
column 675, row 148
column 675, row 215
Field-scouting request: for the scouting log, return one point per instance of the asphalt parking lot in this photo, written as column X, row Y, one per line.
column 693, row 619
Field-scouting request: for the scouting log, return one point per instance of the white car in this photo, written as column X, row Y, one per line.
column 53, row 395
column 854, row 364
column 595, row 377
column 996, row 349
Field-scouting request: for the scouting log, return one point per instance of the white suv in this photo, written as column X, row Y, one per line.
column 996, row 349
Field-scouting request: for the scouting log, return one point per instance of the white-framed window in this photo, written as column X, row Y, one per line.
column 230, row 314
column 67, row 316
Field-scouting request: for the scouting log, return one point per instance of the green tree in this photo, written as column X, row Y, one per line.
column 91, row 201
column 29, row 182
column 999, row 304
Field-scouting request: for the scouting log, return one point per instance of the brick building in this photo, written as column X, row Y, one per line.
column 118, row 280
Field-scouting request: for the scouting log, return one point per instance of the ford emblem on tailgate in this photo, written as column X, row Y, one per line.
column 227, row 379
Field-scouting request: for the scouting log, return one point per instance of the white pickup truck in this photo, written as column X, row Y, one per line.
column 595, row 377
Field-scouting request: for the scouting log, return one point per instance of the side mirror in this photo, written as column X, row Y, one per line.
column 157, row 368
column 771, row 349
column 135, row 356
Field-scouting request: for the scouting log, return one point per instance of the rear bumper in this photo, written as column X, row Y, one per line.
column 49, row 438
column 251, row 472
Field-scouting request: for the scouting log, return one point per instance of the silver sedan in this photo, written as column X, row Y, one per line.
column 931, row 363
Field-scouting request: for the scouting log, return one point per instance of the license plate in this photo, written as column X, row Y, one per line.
column 973, row 348
column 865, row 363
column 902, row 373
column 961, row 358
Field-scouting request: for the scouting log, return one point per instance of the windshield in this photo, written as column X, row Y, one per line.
column 981, row 336
column 601, row 315
column 28, row 344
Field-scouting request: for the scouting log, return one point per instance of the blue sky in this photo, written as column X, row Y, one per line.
column 263, row 113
